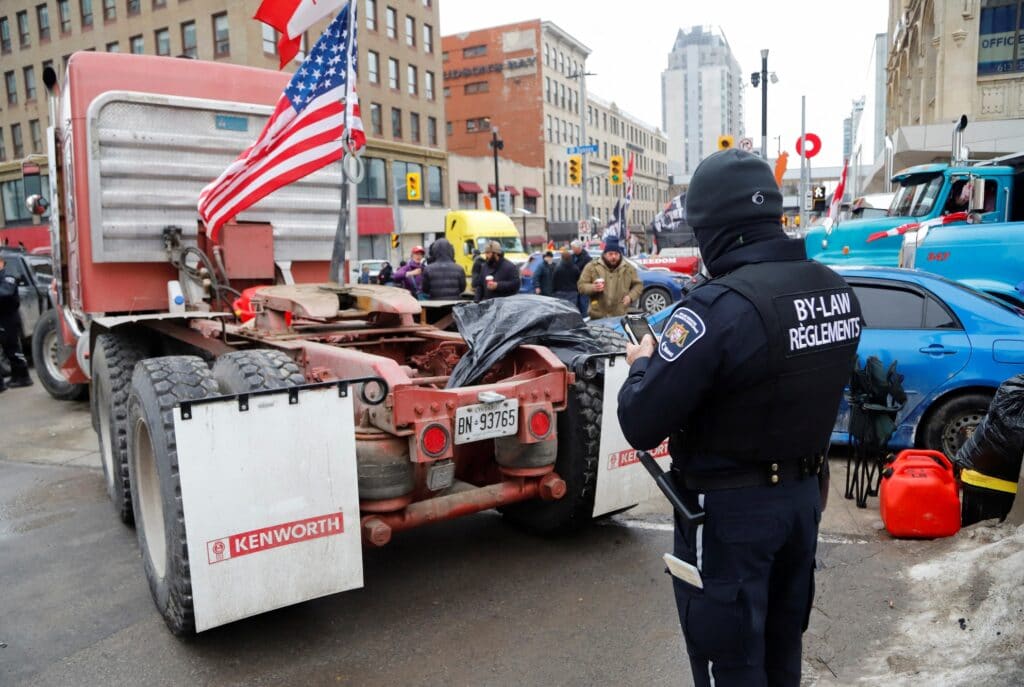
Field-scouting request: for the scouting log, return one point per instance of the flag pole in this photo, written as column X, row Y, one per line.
column 348, row 215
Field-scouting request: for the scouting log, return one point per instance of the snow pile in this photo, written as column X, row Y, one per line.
column 965, row 619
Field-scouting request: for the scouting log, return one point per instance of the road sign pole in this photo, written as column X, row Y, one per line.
column 803, row 161
column 583, row 141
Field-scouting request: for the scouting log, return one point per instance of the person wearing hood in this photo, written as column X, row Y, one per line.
column 566, row 277
column 443, row 279
column 611, row 283
column 498, row 276
column 745, row 382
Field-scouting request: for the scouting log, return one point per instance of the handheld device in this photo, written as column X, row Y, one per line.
column 637, row 327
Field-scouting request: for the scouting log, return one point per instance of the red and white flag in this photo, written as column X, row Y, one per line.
column 292, row 18
column 916, row 226
column 303, row 134
column 837, row 197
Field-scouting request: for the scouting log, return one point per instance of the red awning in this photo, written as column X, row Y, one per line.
column 512, row 190
column 469, row 187
column 531, row 192
column 490, row 189
column 375, row 220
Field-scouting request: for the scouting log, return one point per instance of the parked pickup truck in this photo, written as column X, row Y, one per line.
column 987, row 257
column 962, row 191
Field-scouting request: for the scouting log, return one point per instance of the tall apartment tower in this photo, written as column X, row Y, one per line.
column 701, row 97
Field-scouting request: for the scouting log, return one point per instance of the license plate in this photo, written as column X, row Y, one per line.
column 486, row 421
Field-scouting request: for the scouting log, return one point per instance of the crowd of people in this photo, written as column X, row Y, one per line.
column 598, row 287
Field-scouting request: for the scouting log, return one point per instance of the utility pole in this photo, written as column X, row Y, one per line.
column 582, row 76
column 803, row 162
column 764, row 104
column 497, row 144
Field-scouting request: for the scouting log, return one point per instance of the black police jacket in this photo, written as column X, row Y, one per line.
column 750, row 367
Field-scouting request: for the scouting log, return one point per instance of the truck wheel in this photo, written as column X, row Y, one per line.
column 157, row 385
column 240, row 372
column 654, row 300
column 579, row 443
column 949, row 425
column 45, row 349
column 113, row 360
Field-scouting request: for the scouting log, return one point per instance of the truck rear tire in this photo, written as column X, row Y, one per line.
column 45, row 347
column 579, row 445
column 113, row 361
column 240, row 372
column 157, row 385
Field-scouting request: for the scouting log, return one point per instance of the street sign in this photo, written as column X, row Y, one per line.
column 505, row 202
column 581, row 150
column 813, row 142
column 583, row 229
column 746, row 144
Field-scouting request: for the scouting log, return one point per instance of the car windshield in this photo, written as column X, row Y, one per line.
column 509, row 244
column 917, row 198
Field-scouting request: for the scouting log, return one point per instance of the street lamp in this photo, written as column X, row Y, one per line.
column 496, row 144
column 761, row 78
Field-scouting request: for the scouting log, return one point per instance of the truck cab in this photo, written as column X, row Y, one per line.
column 926, row 193
column 469, row 231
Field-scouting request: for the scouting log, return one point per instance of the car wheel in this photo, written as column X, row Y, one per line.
column 655, row 299
column 953, row 422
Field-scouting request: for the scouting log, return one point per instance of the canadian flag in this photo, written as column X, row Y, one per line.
column 837, row 197
column 291, row 18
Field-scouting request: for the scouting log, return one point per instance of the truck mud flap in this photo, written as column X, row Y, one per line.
column 622, row 481
column 270, row 499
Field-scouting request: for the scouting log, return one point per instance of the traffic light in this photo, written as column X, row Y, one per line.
column 394, row 240
column 615, row 169
column 575, row 169
column 412, row 186
column 725, row 142
column 818, row 199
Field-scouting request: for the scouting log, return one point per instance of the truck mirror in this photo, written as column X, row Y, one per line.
column 978, row 195
column 50, row 79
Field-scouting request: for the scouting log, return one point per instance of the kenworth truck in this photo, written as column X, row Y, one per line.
column 257, row 452
column 960, row 193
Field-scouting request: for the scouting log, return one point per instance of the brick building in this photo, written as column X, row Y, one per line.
column 522, row 81
column 399, row 82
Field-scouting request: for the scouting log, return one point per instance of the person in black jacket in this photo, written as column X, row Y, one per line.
column 580, row 258
column 566, row 277
column 443, row 279
column 544, row 277
column 498, row 277
column 745, row 382
column 10, row 329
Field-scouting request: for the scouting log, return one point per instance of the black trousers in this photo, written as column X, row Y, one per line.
column 10, row 341
column 755, row 552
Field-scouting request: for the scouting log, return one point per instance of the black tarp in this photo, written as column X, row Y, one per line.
column 496, row 327
column 997, row 445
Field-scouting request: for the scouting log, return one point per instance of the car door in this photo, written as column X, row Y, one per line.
column 911, row 326
column 27, row 293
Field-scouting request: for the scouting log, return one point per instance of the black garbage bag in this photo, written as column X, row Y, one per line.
column 876, row 396
column 997, row 445
column 495, row 327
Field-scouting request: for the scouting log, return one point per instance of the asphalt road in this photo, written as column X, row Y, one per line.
column 471, row 602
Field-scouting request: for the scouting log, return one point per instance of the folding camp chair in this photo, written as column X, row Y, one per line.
column 876, row 396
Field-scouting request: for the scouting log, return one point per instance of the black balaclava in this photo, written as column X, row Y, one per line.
column 733, row 201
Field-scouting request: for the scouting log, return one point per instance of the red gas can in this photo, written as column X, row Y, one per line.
column 919, row 496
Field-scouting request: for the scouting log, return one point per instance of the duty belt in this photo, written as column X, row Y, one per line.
column 769, row 474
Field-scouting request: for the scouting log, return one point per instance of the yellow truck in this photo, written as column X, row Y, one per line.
column 470, row 230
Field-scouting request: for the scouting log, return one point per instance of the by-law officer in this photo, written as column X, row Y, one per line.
column 10, row 329
column 745, row 381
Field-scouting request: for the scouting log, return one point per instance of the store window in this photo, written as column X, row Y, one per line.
column 435, row 192
column 373, row 187
column 1001, row 30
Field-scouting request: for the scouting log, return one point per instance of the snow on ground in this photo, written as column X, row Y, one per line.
column 964, row 623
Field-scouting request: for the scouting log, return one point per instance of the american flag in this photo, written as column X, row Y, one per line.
column 303, row 134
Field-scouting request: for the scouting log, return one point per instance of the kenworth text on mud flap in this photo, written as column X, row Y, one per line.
column 957, row 194
column 256, row 451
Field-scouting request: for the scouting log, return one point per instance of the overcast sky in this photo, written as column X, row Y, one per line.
column 818, row 49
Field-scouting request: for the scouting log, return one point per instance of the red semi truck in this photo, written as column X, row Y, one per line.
column 256, row 458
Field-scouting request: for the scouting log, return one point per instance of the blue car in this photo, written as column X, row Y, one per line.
column 661, row 287
column 953, row 344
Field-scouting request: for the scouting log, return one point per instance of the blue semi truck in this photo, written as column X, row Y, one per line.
column 990, row 192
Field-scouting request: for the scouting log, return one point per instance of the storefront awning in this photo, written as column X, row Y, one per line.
column 469, row 187
column 512, row 190
column 530, row 192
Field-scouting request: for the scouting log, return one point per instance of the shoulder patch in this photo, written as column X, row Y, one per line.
column 682, row 330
